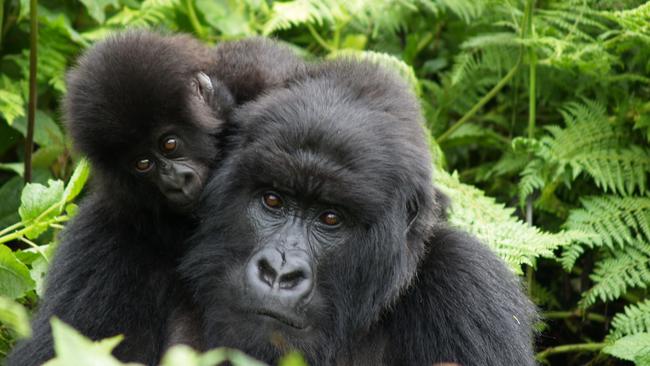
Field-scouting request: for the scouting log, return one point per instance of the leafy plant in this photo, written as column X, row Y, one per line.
column 539, row 108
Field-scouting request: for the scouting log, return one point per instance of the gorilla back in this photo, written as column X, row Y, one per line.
column 322, row 233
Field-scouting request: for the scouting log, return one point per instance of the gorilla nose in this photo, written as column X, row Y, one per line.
column 285, row 276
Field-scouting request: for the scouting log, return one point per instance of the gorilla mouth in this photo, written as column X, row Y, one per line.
column 282, row 318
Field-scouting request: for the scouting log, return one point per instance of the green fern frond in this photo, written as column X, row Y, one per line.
column 615, row 274
column 150, row 13
column 285, row 15
column 492, row 222
column 467, row 10
column 634, row 319
column 613, row 220
column 590, row 143
column 622, row 170
column 570, row 255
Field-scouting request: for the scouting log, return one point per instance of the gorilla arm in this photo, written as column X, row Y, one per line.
column 465, row 306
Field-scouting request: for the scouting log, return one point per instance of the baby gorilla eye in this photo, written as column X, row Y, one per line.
column 169, row 144
column 330, row 218
column 272, row 200
column 143, row 165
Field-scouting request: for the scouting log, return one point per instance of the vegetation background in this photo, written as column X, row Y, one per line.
column 539, row 113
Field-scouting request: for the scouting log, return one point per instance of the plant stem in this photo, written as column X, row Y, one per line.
column 575, row 314
column 36, row 247
column 532, row 76
column 567, row 348
column 503, row 82
column 194, row 20
column 319, row 39
column 31, row 109
column 11, row 228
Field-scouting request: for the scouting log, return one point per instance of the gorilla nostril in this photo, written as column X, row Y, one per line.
column 292, row 279
column 266, row 272
column 188, row 178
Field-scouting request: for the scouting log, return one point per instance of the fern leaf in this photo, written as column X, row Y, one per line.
column 467, row 10
column 615, row 274
column 634, row 319
column 150, row 13
column 570, row 255
column 590, row 143
column 492, row 222
column 613, row 220
column 285, row 15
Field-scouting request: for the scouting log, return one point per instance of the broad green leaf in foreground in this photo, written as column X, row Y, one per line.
column 74, row 349
column 184, row 355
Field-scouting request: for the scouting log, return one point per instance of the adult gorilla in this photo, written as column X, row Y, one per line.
column 322, row 233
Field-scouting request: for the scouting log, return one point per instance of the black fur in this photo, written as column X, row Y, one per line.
column 114, row 270
column 392, row 284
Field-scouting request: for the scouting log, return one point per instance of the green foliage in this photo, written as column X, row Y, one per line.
column 495, row 224
column 74, row 349
column 635, row 319
column 634, row 348
column 583, row 164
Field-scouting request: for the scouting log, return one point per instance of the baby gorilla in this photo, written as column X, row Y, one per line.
column 149, row 112
column 322, row 233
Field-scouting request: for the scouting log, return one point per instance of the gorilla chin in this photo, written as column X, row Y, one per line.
column 322, row 233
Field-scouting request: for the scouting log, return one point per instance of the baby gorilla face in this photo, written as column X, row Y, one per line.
column 168, row 165
column 174, row 157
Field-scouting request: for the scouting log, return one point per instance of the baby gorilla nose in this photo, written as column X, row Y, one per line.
column 279, row 275
column 181, row 184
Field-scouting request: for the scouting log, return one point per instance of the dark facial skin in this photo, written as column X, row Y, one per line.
column 280, row 276
column 167, row 164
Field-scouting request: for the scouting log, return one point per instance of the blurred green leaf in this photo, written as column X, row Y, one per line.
column 96, row 8
column 18, row 168
column 186, row 356
column 45, row 156
column 293, row 359
column 12, row 105
column 14, row 275
column 14, row 315
column 46, row 131
column 74, row 349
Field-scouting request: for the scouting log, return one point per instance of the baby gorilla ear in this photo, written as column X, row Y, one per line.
column 212, row 93
column 203, row 87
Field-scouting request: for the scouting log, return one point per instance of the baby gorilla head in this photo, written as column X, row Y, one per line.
column 140, row 107
column 316, row 222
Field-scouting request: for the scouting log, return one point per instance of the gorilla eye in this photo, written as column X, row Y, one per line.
column 169, row 144
column 143, row 165
column 330, row 218
column 272, row 200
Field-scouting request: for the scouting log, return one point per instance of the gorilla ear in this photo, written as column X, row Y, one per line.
column 202, row 86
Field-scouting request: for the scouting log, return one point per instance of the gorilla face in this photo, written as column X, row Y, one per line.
column 310, row 229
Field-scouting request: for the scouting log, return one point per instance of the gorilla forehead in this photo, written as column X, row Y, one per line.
column 317, row 134
column 128, row 85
